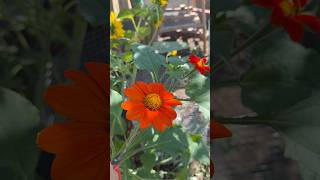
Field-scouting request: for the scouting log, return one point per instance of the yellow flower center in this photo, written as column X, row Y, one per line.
column 163, row 3
column 201, row 63
column 174, row 53
column 152, row 101
column 288, row 8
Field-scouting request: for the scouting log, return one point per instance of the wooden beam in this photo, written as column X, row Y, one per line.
column 115, row 6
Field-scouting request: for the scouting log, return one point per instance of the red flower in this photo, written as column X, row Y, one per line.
column 80, row 143
column 199, row 63
column 116, row 170
column 151, row 104
column 290, row 15
column 217, row 130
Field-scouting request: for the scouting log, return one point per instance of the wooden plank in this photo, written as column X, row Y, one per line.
column 125, row 4
column 115, row 6
column 165, row 29
column 204, row 21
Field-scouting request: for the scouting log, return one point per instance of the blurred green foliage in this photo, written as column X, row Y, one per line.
column 282, row 84
column 19, row 125
column 38, row 40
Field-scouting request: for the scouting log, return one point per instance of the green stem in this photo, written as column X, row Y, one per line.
column 184, row 99
column 156, row 31
column 134, row 74
column 154, row 35
column 134, row 24
column 143, row 149
column 154, row 77
column 187, row 75
column 79, row 33
column 137, row 28
column 241, row 121
column 259, row 35
column 127, row 145
column 226, row 84
column 172, row 84
column 255, row 120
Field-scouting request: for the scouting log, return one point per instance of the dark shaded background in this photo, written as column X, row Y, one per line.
column 39, row 39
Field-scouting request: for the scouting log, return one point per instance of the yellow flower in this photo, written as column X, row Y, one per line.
column 116, row 28
column 173, row 53
column 158, row 23
column 163, row 3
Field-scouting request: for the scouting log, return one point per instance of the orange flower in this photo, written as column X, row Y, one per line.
column 151, row 104
column 290, row 15
column 199, row 63
column 81, row 143
column 217, row 130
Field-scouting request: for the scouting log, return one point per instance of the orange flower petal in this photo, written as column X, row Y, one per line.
column 156, row 88
column 134, row 114
column 166, row 95
column 158, row 125
column 142, row 86
column 83, row 80
column 99, row 72
column 152, row 115
column 76, row 103
column 211, row 168
column 168, row 112
column 87, row 163
column 64, row 137
column 131, row 105
column 144, row 122
column 207, row 68
column 194, row 59
column 204, row 60
column 217, row 130
column 134, row 94
column 172, row 102
column 165, row 120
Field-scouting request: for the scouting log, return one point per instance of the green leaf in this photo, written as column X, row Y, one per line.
column 309, row 162
column 219, row 5
column 172, row 141
column 300, row 126
column 276, row 76
column 115, row 103
column 183, row 174
column 144, row 31
column 130, row 171
column 282, row 85
column 168, row 46
column 176, row 60
column 223, row 41
column 94, row 11
column 199, row 91
column 117, row 122
column 199, row 151
column 148, row 160
column 145, row 58
column 196, row 137
column 126, row 14
column 127, row 56
column 19, row 125
column 140, row 11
